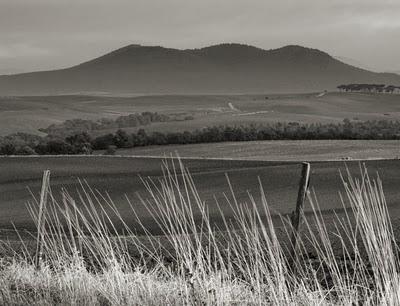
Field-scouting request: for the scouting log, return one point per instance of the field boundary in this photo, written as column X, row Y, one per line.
column 196, row 158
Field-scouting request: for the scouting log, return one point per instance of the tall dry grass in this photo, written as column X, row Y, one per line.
column 243, row 259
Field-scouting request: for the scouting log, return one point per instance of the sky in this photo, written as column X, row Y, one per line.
column 52, row 34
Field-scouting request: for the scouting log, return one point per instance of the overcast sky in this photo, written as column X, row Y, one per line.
column 49, row 34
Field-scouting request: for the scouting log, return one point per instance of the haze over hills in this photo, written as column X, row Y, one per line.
column 357, row 64
column 224, row 68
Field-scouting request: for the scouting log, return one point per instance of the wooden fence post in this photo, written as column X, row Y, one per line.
column 298, row 213
column 40, row 218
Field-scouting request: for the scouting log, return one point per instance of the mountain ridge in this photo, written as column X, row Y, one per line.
column 221, row 68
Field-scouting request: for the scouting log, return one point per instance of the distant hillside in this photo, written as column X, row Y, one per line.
column 225, row 68
column 355, row 63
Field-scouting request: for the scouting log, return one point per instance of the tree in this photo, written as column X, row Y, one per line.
column 141, row 138
column 103, row 142
column 26, row 150
column 81, row 143
column 54, row 147
column 158, row 138
column 121, row 139
column 390, row 89
column 8, row 148
column 377, row 88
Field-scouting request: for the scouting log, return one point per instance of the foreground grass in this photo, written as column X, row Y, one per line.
column 84, row 260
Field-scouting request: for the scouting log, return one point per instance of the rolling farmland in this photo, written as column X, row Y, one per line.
column 28, row 114
column 119, row 176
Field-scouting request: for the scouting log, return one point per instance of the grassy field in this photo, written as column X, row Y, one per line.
column 246, row 263
column 120, row 176
column 186, row 263
column 285, row 150
column 28, row 114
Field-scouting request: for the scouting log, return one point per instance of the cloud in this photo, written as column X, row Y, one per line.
column 22, row 50
column 71, row 31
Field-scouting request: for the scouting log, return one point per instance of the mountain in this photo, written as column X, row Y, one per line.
column 224, row 68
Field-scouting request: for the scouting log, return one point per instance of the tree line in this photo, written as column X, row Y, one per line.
column 83, row 143
column 74, row 126
column 370, row 88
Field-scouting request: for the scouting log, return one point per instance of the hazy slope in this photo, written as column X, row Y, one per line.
column 225, row 68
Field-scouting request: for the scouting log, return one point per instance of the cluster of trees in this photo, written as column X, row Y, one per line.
column 74, row 126
column 83, row 143
column 19, row 144
column 371, row 88
column 277, row 131
column 27, row 144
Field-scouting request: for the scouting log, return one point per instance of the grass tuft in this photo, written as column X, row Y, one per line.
column 350, row 259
